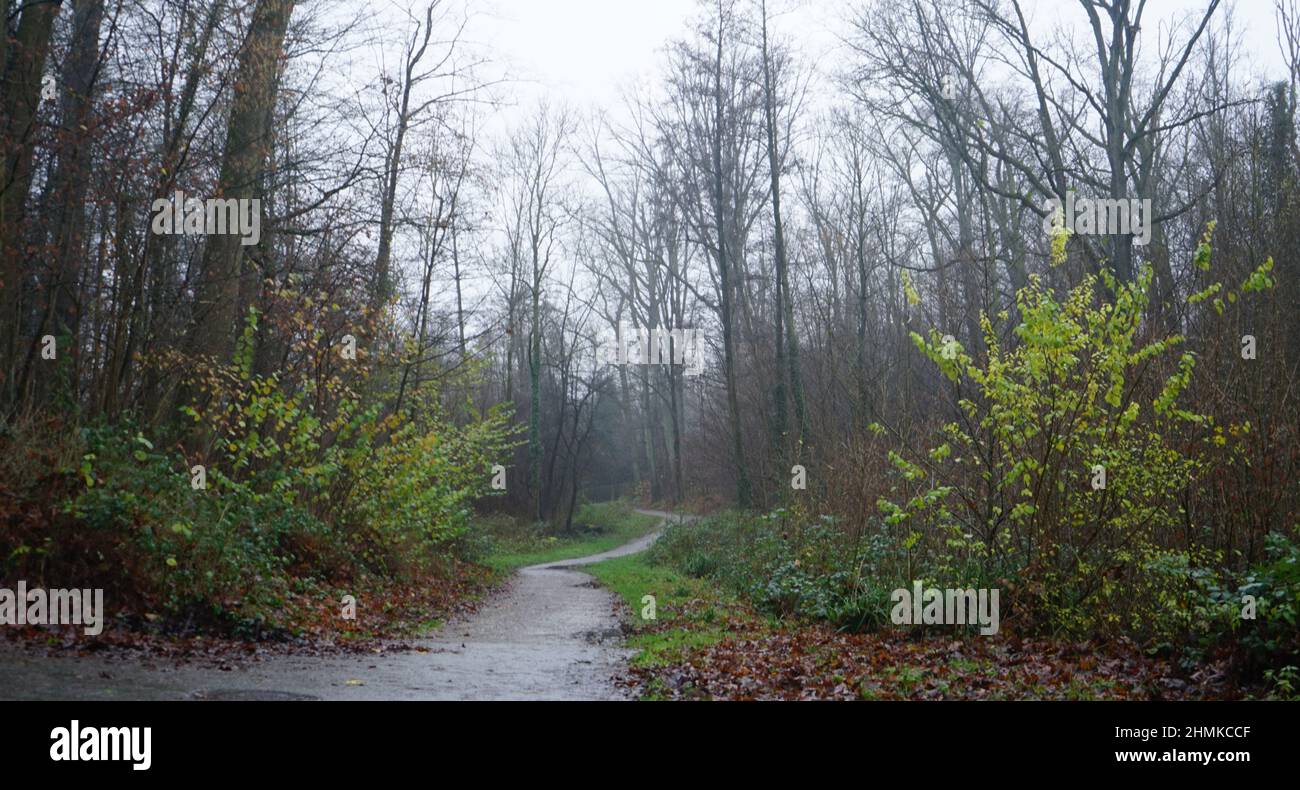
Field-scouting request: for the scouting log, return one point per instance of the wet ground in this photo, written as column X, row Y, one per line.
column 553, row 633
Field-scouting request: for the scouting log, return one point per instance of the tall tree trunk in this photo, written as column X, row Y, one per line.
column 158, row 278
column 393, row 160
column 625, row 403
column 71, row 174
column 22, row 74
column 535, row 394
column 787, row 347
column 460, row 305
column 744, row 493
column 677, row 398
column 216, row 308
column 648, row 414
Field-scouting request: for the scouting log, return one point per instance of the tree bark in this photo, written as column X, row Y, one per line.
column 216, row 309
column 22, row 74
column 744, row 494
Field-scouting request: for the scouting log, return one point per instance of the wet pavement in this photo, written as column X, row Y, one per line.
column 553, row 633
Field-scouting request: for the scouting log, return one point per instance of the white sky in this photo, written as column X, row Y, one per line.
column 587, row 53
column 584, row 52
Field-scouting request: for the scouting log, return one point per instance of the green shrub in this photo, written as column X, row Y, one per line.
column 785, row 564
column 1015, row 489
column 306, row 488
column 1276, row 586
column 219, row 554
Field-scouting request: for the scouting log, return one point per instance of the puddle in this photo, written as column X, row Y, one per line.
column 260, row 695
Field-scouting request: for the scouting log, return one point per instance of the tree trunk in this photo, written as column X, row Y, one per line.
column 743, row 493
column 216, row 309
column 784, row 306
column 535, row 396
column 71, row 174
column 22, row 74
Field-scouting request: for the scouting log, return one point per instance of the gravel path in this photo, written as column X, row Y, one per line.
column 552, row 634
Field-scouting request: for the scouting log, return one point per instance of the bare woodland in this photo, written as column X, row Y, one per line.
column 852, row 240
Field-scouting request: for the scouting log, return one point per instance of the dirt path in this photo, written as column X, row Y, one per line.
column 552, row 634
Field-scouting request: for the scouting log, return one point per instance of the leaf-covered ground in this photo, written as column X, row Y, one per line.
column 386, row 614
column 706, row 645
column 809, row 663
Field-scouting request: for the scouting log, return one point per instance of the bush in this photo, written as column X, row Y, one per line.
column 221, row 554
column 1065, row 480
column 1271, row 638
column 1067, row 470
column 787, row 565
column 305, row 487
column 1275, row 633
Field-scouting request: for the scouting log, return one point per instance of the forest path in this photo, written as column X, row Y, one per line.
column 552, row 633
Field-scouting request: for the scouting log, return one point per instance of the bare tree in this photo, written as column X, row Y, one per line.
column 535, row 168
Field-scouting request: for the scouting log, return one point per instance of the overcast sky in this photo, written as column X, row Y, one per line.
column 585, row 51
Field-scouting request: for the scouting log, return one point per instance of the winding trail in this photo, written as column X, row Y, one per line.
column 553, row 633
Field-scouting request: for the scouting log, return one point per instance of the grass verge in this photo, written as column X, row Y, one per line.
column 721, row 634
column 685, row 615
column 597, row 528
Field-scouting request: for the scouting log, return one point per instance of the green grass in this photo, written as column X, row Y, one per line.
column 607, row 526
column 676, row 627
column 633, row 577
